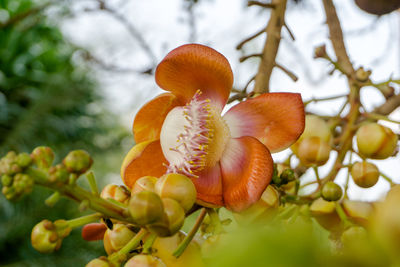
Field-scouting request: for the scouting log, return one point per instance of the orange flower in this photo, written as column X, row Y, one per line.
column 227, row 157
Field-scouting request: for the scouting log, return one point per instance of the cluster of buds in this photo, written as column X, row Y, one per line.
column 15, row 182
column 160, row 204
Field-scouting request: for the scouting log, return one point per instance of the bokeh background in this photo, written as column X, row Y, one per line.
column 73, row 73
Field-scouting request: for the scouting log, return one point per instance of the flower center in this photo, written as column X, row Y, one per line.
column 193, row 137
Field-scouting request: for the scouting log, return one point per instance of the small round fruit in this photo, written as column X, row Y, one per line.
column 145, row 207
column 145, row 183
column 313, row 151
column 116, row 238
column 171, row 221
column 99, row 262
column 78, row 161
column 376, row 141
column 379, row 7
column 331, row 192
column 178, row 187
column 365, row 174
column 144, row 261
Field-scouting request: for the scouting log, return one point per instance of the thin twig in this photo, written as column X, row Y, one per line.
column 271, row 46
column 260, row 4
column 289, row 31
column 251, row 37
column 287, row 72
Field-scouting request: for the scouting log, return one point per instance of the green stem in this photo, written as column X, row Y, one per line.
column 149, row 242
column 342, row 214
column 78, row 222
column 132, row 244
column 78, row 194
column 53, row 199
column 215, row 221
column 317, row 176
column 375, row 116
column 186, row 241
column 92, row 183
column 387, row 178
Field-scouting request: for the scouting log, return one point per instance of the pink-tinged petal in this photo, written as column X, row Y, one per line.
column 93, row 231
column 276, row 119
column 209, row 187
column 246, row 168
column 193, row 67
column 150, row 118
column 144, row 159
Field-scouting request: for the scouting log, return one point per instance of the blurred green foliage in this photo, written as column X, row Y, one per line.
column 47, row 99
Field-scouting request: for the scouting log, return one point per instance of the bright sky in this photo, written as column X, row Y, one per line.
column 373, row 43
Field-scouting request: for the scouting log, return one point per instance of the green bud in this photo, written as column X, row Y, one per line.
column 331, row 191
column 178, row 187
column 6, row 180
column 144, row 261
column 44, row 237
column 9, row 193
column 171, row 221
column 78, row 161
column 43, row 157
column 365, row 174
column 58, row 173
column 287, row 176
column 24, row 160
column 11, row 155
column 145, row 207
column 117, row 238
column 23, row 183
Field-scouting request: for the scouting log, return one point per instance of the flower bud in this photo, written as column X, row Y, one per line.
column 164, row 248
column 313, row 151
column 43, row 157
column 6, row 180
column 24, row 160
column 44, row 237
column 376, row 141
column 145, row 207
column 100, row 262
column 320, row 52
column 78, row 161
column 325, row 213
column 144, row 261
column 117, row 192
column 172, row 219
column 117, row 238
column 358, row 211
column 145, row 183
column 365, row 174
column 314, row 126
column 178, row 187
column 331, row 192
column 58, row 173
column 362, row 75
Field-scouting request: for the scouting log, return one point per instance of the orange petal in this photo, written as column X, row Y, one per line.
column 246, row 168
column 209, row 187
column 143, row 159
column 193, row 67
column 150, row 118
column 93, row 231
column 276, row 119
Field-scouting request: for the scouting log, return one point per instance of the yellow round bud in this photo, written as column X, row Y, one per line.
column 145, row 207
column 313, row 151
column 178, row 187
column 164, row 248
column 325, row 213
column 117, row 192
column 99, row 262
column 172, row 219
column 144, row 261
column 314, row 126
column 365, row 174
column 116, row 238
column 358, row 211
column 376, row 141
column 44, row 237
column 145, row 183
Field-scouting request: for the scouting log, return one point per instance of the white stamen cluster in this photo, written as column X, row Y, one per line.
column 193, row 142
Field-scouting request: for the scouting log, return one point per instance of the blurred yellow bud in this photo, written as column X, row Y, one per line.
column 144, row 261
column 376, row 141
